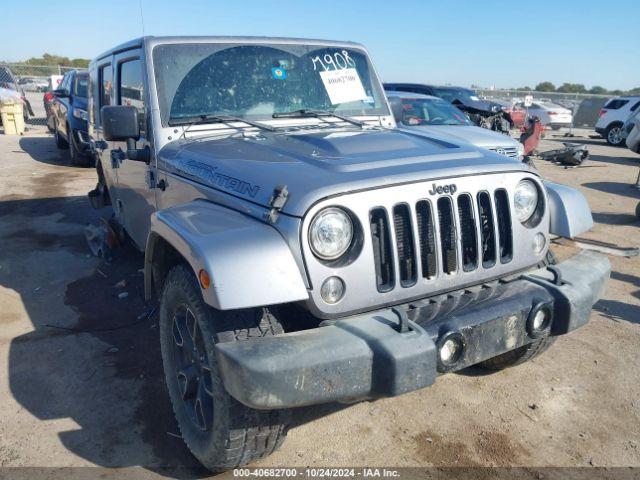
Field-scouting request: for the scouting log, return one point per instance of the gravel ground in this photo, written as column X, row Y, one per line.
column 81, row 381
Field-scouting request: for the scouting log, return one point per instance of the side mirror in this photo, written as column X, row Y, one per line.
column 120, row 123
column 60, row 93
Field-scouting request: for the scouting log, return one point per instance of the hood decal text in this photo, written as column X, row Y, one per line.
column 211, row 176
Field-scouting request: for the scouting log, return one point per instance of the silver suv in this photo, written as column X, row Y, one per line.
column 303, row 249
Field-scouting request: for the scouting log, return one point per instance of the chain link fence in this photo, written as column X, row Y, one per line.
column 33, row 82
column 584, row 107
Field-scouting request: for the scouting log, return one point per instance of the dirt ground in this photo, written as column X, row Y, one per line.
column 81, row 381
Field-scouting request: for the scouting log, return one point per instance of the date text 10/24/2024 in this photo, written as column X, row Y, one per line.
column 317, row 472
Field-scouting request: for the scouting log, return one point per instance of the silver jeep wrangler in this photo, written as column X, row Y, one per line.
column 304, row 250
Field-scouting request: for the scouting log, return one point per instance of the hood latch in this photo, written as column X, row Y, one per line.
column 276, row 202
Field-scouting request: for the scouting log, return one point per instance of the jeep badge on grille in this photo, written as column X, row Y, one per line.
column 440, row 189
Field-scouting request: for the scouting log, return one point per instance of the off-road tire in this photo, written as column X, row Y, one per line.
column 609, row 133
column 238, row 434
column 74, row 156
column 61, row 143
column 526, row 352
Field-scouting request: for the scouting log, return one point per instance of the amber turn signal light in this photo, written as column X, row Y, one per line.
column 205, row 279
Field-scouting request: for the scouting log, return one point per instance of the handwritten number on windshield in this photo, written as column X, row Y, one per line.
column 337, row 61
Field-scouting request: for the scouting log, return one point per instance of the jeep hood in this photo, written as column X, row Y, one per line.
column 322, row 163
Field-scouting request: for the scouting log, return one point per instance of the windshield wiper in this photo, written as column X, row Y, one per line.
column 303, row 112
column 209, row 118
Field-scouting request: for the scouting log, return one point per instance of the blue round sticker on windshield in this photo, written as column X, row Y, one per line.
column 279, row 73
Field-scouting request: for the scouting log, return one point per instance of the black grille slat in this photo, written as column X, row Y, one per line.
column 487, row 230
column 503, row 217
column 405, row 244
column 427, row 239
column 468, row 236
column 382, row 252
column 448, row 242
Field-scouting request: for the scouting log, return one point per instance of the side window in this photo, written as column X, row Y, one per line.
column 131, row 87
column 106, row 85
column 634, row 108
column 615, row 104
column 64, row 84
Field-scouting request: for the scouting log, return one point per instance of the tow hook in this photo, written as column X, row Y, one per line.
column 403, row 325
column 277, row 201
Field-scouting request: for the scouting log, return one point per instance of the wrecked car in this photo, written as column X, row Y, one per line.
column 302, row 249
column 416, row 112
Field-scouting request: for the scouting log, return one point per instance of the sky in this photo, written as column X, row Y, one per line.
column 488, row 43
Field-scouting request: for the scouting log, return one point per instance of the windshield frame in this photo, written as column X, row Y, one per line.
column 383, row 111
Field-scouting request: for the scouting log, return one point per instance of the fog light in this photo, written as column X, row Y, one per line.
column 539, row 242
column 540, row 319
column 332, row 290
column 450, row 349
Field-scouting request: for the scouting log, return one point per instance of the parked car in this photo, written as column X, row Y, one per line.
column 69, row 117
column 303, row 249
column 9, row 81
column 432, row 115
column 33, row 84
column 631, row 132
column 550, row 114
column 613, row 115
column 459, row 95
column 517, row 115
column 47, row 100
column 480, row 111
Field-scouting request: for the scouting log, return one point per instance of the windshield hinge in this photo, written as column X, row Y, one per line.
column 276, row 202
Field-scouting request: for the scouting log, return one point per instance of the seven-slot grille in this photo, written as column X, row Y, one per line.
column 443, row 236
column 508, row 151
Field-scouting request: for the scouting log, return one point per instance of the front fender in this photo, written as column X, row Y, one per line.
column 569, row 211
column 249, row 262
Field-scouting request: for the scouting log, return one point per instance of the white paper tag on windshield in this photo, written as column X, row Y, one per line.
column 343, row 85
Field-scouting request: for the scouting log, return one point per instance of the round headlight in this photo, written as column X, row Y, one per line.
column 525, row 200
column 330, row 233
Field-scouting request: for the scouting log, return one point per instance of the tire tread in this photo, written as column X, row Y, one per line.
column 252, row 434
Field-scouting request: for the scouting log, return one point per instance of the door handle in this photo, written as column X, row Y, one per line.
column 101, row 145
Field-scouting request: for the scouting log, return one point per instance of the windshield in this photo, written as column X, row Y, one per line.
column 256, row 81
column 81, row 85
column 452, row 94
column 419, row 111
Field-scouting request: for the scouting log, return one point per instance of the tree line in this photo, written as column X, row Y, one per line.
column 578, row 88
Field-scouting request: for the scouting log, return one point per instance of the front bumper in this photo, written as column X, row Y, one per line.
column 366, row 356
column 81, row 136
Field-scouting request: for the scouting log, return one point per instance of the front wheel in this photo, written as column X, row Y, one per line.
column 74, row 155
column 614, row 135
column 220, row 432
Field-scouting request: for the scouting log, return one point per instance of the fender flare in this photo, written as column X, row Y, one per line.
column 249, row 262
column 569, row 211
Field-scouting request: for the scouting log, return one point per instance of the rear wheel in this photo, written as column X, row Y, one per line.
column 613, row 135
column 220, row 432
column 526, row 352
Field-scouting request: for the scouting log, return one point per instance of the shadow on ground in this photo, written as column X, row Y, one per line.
column 615, row 188
column 44, row 150
column 114, row 389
